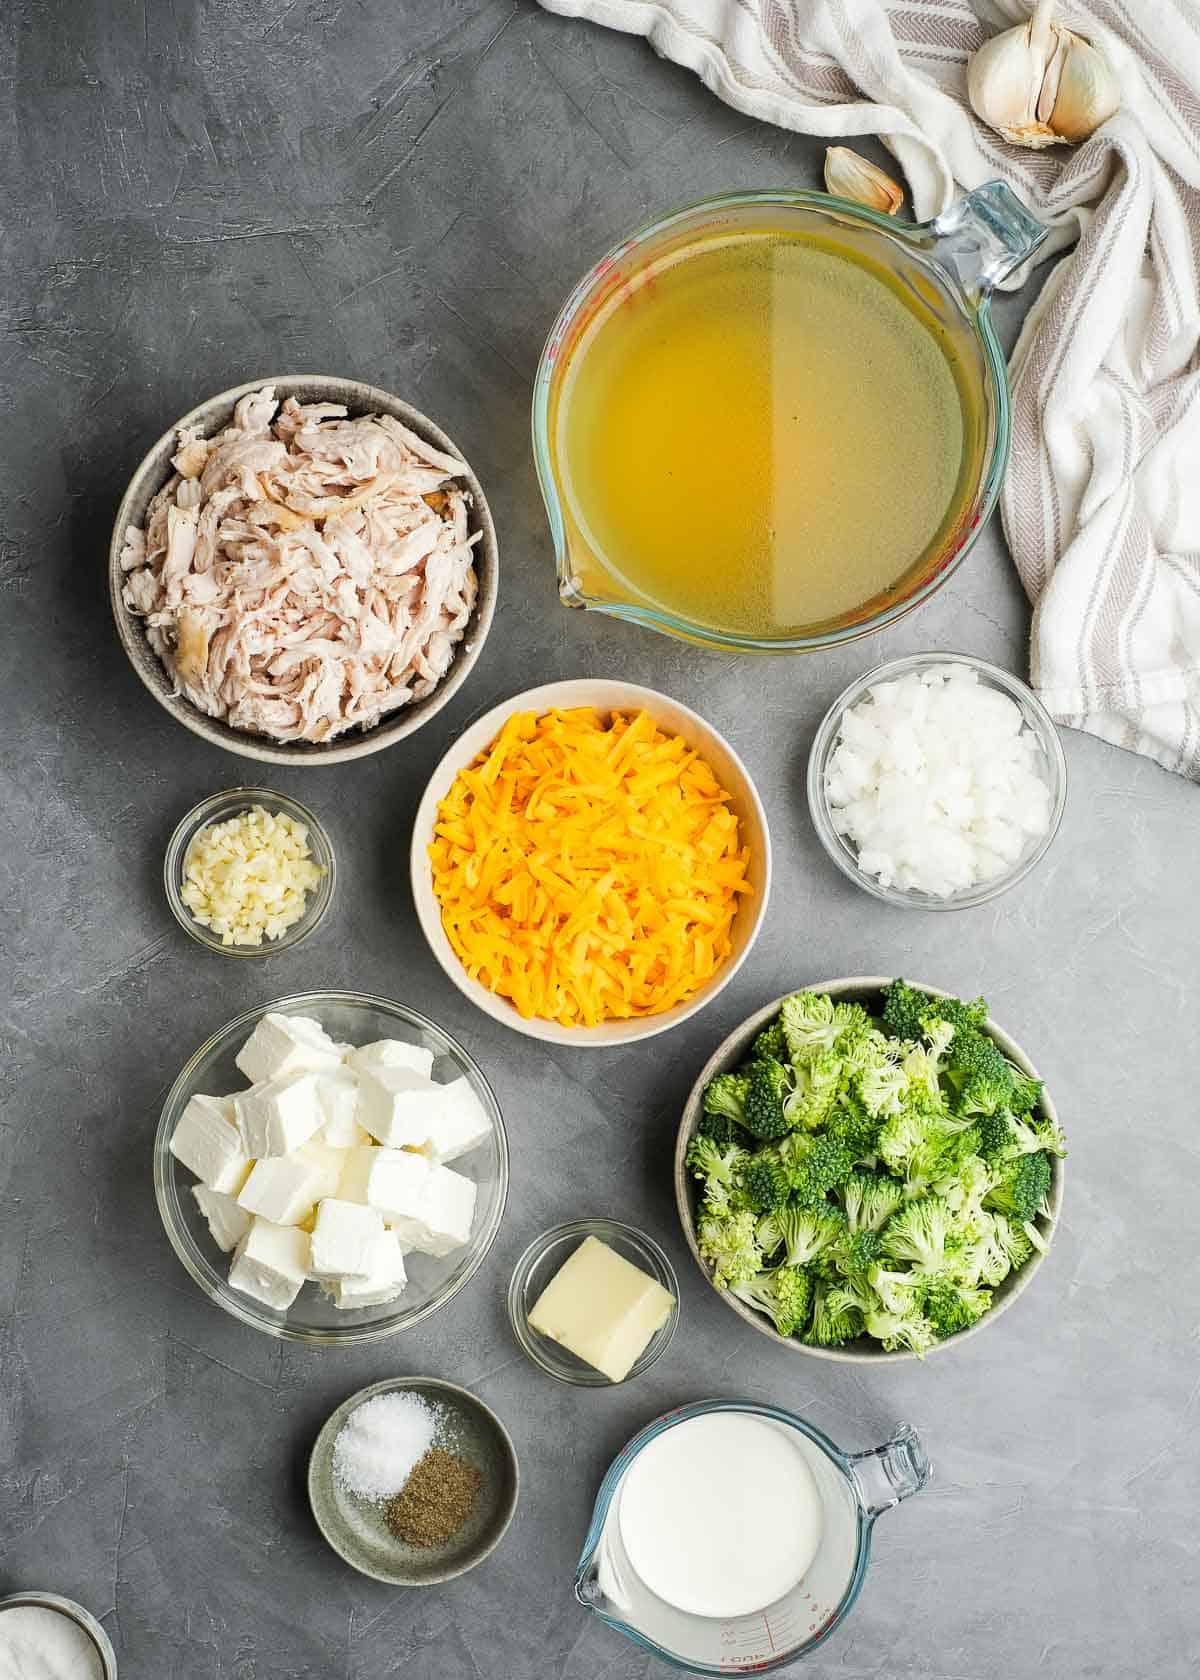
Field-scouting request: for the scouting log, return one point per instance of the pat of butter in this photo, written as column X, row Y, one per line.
column 602, row 1309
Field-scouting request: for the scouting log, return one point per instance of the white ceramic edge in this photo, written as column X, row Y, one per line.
column 393, row 726
column 606, row 695
column 734, row 1045
column 77, row 1613
column 399, row 1385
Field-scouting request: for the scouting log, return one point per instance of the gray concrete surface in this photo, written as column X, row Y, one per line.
column 192, row 193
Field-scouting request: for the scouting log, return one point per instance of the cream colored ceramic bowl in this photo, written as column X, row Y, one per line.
column 607, row 697
column 154, row 472
column 864, row 989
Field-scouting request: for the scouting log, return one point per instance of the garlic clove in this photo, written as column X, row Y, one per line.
column 847, row 175
column 1087, row 94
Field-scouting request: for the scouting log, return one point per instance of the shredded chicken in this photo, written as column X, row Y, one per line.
column 303, row 573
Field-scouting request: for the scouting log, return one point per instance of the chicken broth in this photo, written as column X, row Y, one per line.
column 761, row 435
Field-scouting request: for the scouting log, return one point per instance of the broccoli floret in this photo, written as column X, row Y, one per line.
column 973, row 1056
column 726, row 1094
column 816, row 1090
column 1034, row 1133
column 996, row 1136
column 964, row 1185
column 950, row 1307
column 910, row 1137
column 784, row 1294
column 922, row 1066
column 919, row 1233
column 983, row 1257
column 962, row 1016
column 1023, row 1189
column 765, row 1182
column 815, row 1165
column 849, row 1123
column 806, row 1232
column 729, row 1243
column 834, row 1319
column 882, row 1084
column 856, row 1252
column 904, row 1010
column 1012, row 1240
column 763, row 1115
column 870, row 1199
column 708, row 1161
column 721, row 1129
column 810, row 1024
column 983, row 1095
column 1026, row 1093
column 770, row 1043
column 908, row 1332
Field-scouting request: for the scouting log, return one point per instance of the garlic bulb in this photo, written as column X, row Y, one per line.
column 850, row 176
column 1040, row 84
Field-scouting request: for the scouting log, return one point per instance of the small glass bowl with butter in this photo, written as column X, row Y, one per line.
column 590, row 1285
column 183, row 857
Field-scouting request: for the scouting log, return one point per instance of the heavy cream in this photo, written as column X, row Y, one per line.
column 720, row 1515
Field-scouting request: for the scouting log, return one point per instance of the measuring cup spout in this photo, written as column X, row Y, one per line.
column 984, row 237
column 885, row 1475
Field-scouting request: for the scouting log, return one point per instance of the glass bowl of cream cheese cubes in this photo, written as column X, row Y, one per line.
column 331, row 1169
column 937, row 781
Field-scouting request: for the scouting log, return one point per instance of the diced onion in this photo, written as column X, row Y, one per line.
column 937, row 783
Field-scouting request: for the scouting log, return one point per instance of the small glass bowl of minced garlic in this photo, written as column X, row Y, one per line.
column 249, row 872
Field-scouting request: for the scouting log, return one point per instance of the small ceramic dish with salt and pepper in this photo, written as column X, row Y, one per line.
column 358, row 1528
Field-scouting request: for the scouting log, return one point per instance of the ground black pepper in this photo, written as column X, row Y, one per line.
column 435, row 1501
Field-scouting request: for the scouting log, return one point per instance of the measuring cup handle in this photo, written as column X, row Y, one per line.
column 983, row 237
column 885, row 1475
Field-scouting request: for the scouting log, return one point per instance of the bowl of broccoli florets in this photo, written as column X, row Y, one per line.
column 869, row 1169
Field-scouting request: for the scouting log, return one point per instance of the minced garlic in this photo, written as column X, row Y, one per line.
column 247, row 878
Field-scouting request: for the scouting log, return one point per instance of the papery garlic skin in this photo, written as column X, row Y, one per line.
column 847, row 175
column 1041, row 85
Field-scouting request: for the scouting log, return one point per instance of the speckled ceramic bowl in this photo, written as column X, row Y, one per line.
column 152, row 474
column 864, row 989
column 355, row 1527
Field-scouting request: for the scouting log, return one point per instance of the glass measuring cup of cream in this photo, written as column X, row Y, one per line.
column 774, row 421
column 734, row 1537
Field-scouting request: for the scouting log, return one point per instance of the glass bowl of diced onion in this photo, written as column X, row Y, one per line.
column 960, row 817
column 349, row 1018
column 304, row 828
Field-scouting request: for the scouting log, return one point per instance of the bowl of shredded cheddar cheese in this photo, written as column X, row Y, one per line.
column 591, row 863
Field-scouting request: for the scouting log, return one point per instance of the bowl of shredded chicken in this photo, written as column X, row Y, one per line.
column 303, row 569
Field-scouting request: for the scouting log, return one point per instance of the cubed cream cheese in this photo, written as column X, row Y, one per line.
column 226, row 1220
column 356, row 1172
column 385, row 1280
column 283, row 1044
column 338, row 1096
column 602, row 1308
column 394, row 1183
column 343, row 1239
column 328, row 1163
column 458, row 1122
column 432, row 1214
column 397, row 1106
column 391, row 1052
column 208, row 1142
column 282, row 1188
column 279, row 1115
column 270, row 1263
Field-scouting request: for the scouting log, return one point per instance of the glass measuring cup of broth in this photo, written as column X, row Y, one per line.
column 774, row 421
column 733, row 1537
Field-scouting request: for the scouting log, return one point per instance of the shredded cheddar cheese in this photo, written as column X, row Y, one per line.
column 588, row 870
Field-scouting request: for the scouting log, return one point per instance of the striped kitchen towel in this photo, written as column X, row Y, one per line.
column 1102, row 502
